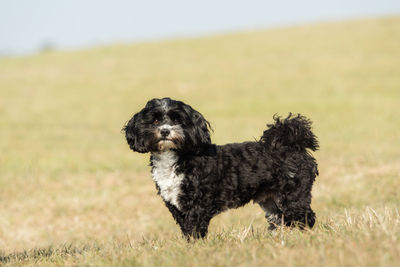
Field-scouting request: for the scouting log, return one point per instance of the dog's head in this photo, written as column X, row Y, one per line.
column 166, row 124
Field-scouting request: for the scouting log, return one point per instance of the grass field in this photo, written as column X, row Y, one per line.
column 72, row 193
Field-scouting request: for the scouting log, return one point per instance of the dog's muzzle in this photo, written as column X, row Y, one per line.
column 169, row 137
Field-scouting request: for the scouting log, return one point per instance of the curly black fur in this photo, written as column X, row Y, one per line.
column 198, row 179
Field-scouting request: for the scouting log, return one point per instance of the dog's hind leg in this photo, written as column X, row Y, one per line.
column 272, row 213
column 295, row 203
column 295, row 215
column 296, row 210
column 290, row 214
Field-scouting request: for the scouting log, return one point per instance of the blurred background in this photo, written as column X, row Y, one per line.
column 72, row 73
column 30, row 26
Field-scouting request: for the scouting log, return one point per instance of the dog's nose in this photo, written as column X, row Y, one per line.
column 164, row 132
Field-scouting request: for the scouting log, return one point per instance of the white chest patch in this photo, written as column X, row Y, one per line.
column 164, row 175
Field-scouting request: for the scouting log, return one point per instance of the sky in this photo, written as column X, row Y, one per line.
column 28, row 26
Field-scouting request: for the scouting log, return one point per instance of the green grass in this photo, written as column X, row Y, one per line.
column 71, row 192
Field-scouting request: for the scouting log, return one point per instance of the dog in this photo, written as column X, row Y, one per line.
column 198, row 180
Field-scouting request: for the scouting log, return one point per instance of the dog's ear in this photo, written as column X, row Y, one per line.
column 133, row 135
column 199, row 135
column 202, row 128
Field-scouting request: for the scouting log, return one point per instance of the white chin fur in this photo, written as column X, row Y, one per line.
column 166, row 145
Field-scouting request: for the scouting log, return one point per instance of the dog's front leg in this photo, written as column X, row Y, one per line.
column 195, row 224
column 179, row 217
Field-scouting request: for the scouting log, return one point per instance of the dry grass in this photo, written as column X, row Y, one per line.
column 71, row 193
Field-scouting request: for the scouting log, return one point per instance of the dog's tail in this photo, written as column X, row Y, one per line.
column 293, row 132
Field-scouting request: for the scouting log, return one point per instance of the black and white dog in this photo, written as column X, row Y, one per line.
column 198, row 180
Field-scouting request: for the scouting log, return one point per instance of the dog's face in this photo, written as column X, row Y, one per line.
column 166, row 124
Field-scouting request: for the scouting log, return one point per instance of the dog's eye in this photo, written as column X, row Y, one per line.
column 155, row 121
column 175, row 118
